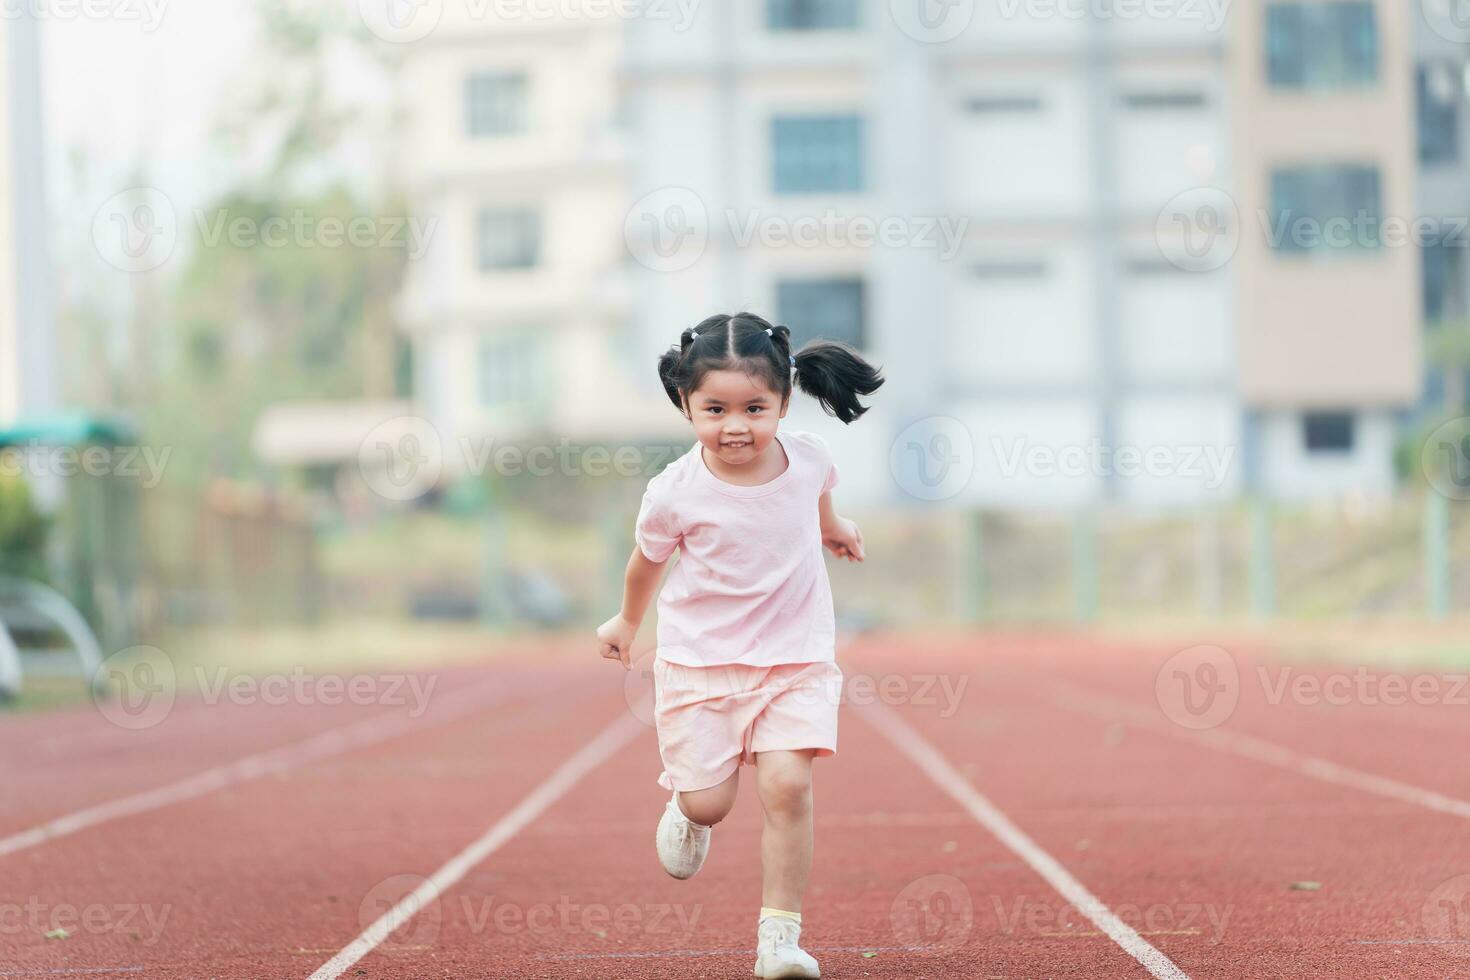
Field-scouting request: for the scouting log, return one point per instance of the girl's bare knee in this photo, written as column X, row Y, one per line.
column 710, row 806
column 786, row 790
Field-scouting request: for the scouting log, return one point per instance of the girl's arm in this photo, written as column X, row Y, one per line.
column 640, row 584
column 840, row 535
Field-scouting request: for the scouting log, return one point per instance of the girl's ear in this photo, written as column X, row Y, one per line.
column 785, row 404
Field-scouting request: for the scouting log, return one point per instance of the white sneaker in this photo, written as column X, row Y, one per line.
column 682, row 843
column 778, row 953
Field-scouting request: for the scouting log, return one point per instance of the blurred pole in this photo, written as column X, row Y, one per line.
column 1211, row 559
column 972, row 603
column 494, row 557
column 1437, row 553
column 11, row 679
column 1263, row 559
column 1084, row 566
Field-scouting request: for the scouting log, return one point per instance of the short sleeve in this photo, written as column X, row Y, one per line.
column 826, row 465
column 655, row 532
column 832, row 476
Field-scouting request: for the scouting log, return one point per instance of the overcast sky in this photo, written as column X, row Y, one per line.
column 126, row 92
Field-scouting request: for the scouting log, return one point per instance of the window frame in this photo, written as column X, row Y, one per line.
column 1281, row 178
column 1325, row 422
column 797, row 321
column 519, row 114
column 1298, row 57
column 533, row 222
column 792, row 24
column 786, row 163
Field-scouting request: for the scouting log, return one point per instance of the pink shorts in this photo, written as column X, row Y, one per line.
column 711, row 720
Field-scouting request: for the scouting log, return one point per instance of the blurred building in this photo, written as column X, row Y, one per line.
column 1052, row 227
column 1442, row 81
column 518, row 313
column 1328, row 325
column 28, row 375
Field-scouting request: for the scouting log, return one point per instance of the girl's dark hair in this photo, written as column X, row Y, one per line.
column 829, row 371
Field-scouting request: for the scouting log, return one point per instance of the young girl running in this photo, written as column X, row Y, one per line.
column 745, row 669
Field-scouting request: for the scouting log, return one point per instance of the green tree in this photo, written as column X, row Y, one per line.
column 275, row 302
column 23, row 531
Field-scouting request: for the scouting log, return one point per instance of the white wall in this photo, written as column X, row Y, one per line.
column 1289, row 472
column 1164, row 150
column 1018, row 161
column 1017, row 328
column 1184, row 449
column 29, row 380
column 1029, row 453
column 9, row 339
column 1175, row 326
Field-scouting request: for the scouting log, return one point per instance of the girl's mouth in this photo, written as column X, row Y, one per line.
column 737, row 445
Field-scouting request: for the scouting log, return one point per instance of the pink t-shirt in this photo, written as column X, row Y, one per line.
column 750, row 586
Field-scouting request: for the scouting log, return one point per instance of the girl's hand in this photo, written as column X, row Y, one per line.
column 844, row 540
column 615, row 638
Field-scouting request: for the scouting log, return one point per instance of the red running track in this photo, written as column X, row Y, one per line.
column 1189, row 846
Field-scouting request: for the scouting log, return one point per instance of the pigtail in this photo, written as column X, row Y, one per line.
column 668, row 366
column 836, row 375
column 673, row 364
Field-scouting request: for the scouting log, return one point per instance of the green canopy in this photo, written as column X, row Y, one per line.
column 67, row 429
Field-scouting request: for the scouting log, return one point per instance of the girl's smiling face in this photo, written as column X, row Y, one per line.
column 735, row 416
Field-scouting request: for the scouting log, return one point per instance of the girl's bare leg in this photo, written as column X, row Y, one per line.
column 784, row 782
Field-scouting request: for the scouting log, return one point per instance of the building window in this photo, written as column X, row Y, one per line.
column 817, row 154
column 811, row 15
column 511, row 371
column 830, row 309
column 1440, row 90
column 1141, row 267
column 509, row 239
column 1328, row 432
column 495, row 104
column 1321, row 45
column 984, row 105
column 1324, row 209
column 1444, row 279
column 1164, row 100
column 1009, row 269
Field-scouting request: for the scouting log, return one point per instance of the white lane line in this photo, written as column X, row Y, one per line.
column 949, row 779
column 1106, row 708
column 583, row 761
column 336, row 741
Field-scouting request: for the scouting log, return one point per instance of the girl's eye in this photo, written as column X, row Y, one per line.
column 715, row 411
column 756, row 408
